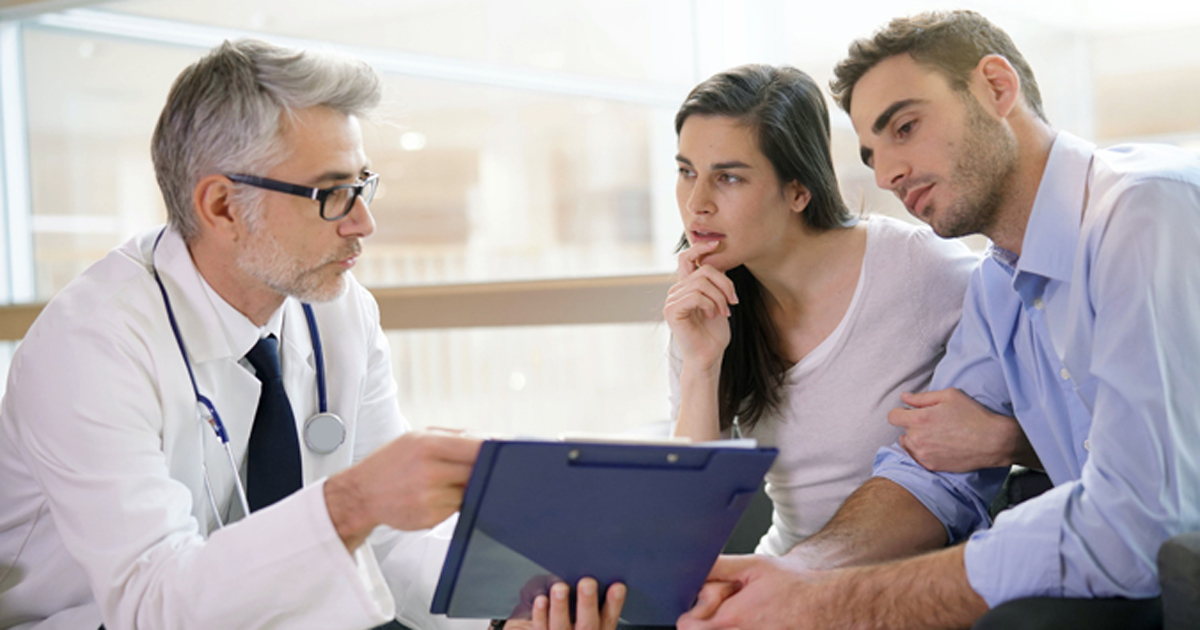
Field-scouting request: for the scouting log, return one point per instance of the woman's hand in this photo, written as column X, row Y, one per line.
column 553, row 612
column 697, row 309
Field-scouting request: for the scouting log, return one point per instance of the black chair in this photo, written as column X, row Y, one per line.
column 1178, row 557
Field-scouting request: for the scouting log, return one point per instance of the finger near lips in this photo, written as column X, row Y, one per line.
column 692, row 257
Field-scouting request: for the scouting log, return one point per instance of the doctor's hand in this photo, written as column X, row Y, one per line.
column 413, row 482
column 553, row 612
column 948, row 431
column 697, row 308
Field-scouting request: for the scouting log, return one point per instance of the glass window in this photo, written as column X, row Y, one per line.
column 535, row 381
column 646, row 40
column 527, row 139
column 90, row 121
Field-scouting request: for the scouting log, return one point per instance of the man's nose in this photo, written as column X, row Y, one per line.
column 890, row 171
column 359, row 222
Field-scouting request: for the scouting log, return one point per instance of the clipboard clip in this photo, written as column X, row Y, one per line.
column 685, row 457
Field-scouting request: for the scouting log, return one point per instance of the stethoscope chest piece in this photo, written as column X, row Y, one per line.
column 324, row 433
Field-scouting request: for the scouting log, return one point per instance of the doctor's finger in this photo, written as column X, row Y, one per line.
column 453, row 448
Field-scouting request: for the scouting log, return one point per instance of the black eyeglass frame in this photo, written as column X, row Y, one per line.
column 368, row 183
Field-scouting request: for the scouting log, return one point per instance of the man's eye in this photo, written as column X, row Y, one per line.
column 906, row 128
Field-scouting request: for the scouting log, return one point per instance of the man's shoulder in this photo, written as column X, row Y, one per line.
column 1142, row 184
column 111, row 289
column 1125, row 166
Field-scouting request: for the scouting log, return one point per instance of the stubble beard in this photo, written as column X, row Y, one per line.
column 263, row 258
column 982, row 169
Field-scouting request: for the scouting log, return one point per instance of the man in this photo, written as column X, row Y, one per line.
column 1081, row 323
column 114, row 484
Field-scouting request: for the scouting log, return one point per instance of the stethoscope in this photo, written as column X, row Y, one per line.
column 323, row 433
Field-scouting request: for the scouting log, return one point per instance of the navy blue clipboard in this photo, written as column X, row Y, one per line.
column 652, row 516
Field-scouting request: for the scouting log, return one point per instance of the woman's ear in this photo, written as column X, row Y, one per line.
column 797, row 196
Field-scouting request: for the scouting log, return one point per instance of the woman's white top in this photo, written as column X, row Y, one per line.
column 833, row 413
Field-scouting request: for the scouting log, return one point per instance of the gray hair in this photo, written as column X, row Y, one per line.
column 224, row 114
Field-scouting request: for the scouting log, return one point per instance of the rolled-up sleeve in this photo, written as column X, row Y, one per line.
column 959, row 501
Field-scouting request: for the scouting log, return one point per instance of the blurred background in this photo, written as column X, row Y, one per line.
column 520, row 141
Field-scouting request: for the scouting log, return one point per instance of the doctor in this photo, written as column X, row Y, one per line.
column 136, row 403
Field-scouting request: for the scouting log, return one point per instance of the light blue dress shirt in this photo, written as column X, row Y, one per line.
column 1091, row 338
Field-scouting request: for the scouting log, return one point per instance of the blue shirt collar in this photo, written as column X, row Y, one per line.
column 1057, row 213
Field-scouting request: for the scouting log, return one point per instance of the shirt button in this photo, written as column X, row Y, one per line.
column 1064, row 373
column 1087, row 445
column 1038, row 303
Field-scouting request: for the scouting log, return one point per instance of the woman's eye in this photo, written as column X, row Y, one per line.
column 729, row 179
column 684, row 172
column 906, row 128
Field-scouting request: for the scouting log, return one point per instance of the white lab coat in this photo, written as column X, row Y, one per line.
column 102, row 499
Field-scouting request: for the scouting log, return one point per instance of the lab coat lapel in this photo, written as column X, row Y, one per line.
column 233, row 390
column 299, row 376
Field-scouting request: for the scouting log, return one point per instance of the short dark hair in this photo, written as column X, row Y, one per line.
column 787, row 112
column 951, row 42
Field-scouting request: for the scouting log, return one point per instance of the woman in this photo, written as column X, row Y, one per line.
column 791, row 318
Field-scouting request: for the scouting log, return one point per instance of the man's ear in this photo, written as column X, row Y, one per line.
column 212, row 200
column 797, row 196
column 996, row 83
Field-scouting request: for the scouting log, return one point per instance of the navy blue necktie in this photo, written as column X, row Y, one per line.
column 273, row 454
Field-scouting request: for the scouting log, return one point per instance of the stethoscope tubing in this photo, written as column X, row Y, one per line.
column 208, row 411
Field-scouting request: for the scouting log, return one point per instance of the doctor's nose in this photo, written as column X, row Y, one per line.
column 359, row 222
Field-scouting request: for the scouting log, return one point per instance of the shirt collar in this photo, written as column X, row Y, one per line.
column 241, row 332
column 1054, row 222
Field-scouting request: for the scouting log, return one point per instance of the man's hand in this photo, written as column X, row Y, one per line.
column 948, row 431
column 751, row 591
column 764, row 593
column 414, row 482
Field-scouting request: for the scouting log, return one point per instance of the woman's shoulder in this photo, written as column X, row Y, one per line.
column 916, row 245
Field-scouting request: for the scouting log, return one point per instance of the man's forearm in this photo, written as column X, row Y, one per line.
column 881, row 521
column 927, row 592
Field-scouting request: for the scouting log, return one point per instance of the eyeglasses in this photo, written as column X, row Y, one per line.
column 339, row 200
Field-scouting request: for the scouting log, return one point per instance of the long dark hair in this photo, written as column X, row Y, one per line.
column 787, row 111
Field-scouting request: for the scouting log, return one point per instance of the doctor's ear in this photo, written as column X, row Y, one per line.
column 212, row 201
